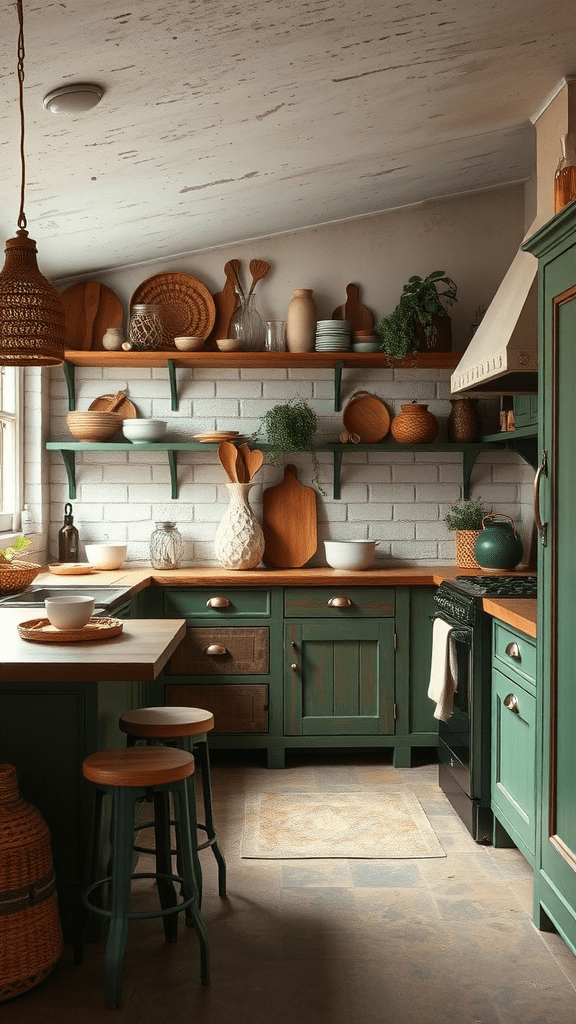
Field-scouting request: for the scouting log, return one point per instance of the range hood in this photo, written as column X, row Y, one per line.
column 502, row 357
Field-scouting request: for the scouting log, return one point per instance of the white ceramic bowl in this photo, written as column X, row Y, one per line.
column 144, row 430
column 350, row 554
column 106, row 556
column 230, row 344
column 188, row 344
column 69, row 611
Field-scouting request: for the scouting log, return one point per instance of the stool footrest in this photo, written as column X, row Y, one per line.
column 134, row 914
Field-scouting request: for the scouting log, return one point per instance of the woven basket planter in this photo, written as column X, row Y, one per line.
column 465, row 541
column 15, row 576
column 30, row 932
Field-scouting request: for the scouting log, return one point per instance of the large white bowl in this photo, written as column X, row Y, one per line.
column 69, row 611
column 106, row 556
column 350, row 554
column 144, row 430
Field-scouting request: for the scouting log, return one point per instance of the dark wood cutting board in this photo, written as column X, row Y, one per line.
column 358, row 316
column 89, row 308
column 289, row 522
column 225, row 302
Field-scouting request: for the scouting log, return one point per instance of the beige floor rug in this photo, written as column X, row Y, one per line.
column 332, row 825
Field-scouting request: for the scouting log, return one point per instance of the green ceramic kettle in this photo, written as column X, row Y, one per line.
column 499, row 545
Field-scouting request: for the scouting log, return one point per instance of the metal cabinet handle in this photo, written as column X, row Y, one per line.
column 218, row 602
column 511, row 702
column 293, row 667
column 513, row 651
column 214, row 649
column 540, row 472
column 339, row 602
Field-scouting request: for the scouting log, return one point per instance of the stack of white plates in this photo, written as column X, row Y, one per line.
column 332, row 336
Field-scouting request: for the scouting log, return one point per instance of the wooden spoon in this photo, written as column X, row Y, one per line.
column 235, row 267
column 244, row 453
column 255, row 460
column 227, row 453
column 116, row 401
column 241, row 468
column 258, row 269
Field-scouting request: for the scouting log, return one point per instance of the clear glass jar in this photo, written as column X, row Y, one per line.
column 246, row 325
column 145, row 329
column 166, row 546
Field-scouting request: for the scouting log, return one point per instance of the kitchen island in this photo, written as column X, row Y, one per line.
column 60, row 702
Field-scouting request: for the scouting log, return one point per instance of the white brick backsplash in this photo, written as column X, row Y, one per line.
column 415, row 512
column 436, row 530
column 369, row 513
column 415, row 473
column 272, row 373
column 433, row 492
column 131, row 473
column 417, row 551
column 392, row 493
column 216, row 407
column 238, row 389
column 392, row 531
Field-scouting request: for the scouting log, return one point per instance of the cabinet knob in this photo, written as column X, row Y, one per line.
column 513, row 651
column 511, row 702
column 294, row 667
column 214, row 649
column 339, row 602
column 218, row 602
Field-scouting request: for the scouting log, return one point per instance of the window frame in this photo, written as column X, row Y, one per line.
column 10, row 518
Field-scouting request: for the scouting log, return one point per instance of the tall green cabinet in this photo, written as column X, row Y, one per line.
column 555, row 877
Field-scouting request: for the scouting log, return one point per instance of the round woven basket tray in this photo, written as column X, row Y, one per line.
column 15, row 576
column 42, row 631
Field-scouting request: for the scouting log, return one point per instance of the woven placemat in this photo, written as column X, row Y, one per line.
column 42, row 631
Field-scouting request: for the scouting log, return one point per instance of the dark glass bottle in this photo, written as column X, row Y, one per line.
column 68, row 539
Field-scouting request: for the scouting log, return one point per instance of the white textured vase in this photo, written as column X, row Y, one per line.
column 301, row 321
column 239, row 541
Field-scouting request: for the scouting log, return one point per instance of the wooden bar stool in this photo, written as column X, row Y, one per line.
column 185, row 728
column 127, row 776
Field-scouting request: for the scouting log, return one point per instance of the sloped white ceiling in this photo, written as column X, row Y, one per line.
column 222, row 122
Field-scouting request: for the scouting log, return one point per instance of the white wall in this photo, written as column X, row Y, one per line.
column 398, row 499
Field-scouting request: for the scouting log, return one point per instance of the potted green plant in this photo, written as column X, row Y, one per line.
column 465, row 518
column 417, row 315
column 289, row 427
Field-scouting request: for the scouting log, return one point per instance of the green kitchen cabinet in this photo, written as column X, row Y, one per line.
column 555, row 877
column 513, row 777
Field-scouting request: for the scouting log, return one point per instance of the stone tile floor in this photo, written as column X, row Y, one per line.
column 338, row 942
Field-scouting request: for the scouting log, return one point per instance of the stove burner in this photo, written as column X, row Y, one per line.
column 506, row 586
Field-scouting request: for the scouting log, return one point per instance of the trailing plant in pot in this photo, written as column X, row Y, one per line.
column 465, row 518
column 289, row 427
column 420, row 303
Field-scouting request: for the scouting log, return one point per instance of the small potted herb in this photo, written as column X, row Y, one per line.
column 289, row 427
column 417, row 314
column 465, row 518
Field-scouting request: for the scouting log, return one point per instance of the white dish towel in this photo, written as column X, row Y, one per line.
column 443, row 670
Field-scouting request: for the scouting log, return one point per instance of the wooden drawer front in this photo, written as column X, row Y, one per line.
column 218, row 651
column 514, row 653
column 235, row 708
column 214, row 603
column 300, row 602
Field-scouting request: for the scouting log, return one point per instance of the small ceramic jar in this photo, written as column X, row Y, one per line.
column 112, row 339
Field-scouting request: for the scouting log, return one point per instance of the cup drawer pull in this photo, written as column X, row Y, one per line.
column 215, row 649
column 513, row 651
column 218, row 602
column 511, row 702
column 339, row 602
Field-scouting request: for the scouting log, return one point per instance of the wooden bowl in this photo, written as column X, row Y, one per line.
column 188, row 344
column 230, row 344
column 92, row 425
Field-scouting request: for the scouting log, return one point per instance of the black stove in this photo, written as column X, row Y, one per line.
column 506, row 586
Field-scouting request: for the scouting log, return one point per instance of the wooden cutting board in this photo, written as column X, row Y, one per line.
column 89, row 308
column 289, row 522
column 358, row 316
column 225, row 302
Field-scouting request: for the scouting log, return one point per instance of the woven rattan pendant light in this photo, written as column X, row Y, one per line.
column 32, row 325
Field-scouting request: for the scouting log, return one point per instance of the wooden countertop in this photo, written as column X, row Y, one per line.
column 138, row 654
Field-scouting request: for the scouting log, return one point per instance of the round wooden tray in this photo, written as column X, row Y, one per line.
column 42, row 631
column 367, row 416
column 126, row 409
column 70, row 569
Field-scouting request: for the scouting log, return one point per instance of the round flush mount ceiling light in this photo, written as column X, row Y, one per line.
column 73, row 99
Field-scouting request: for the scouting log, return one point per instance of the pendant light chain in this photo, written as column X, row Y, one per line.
column 21, row 55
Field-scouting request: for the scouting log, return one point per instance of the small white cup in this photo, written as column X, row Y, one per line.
column 69, row 611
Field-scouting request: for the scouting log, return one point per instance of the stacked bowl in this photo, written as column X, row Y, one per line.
column 93, row 426
column 332, row 336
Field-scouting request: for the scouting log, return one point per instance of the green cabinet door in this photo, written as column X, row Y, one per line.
column 339, row 678
column 514, row 761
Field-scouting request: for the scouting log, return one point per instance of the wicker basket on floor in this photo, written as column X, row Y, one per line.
column 15, row 576
column 30, row 932
column 465, row 541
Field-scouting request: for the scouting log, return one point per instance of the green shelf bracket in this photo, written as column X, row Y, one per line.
column 69, row 460
column 173, row 386
column 172, row 462
column 70, row 379
column 337, row 459
column 527, row 449
column 469, row 457
column 338, row 366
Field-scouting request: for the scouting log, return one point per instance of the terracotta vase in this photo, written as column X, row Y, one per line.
column 301, row 321
column 464, row 425
column 414, row 425
column 239, row 541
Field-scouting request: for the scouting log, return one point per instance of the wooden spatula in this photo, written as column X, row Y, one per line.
column 258, row 269
column 227, row 453
column 116, row 401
